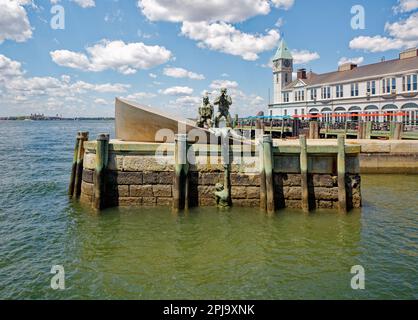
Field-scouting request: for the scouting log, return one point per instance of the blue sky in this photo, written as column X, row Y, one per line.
column 168, row 53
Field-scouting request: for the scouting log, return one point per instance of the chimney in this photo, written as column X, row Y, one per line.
column 347, row 67
column 301, row 74
column 410, row 53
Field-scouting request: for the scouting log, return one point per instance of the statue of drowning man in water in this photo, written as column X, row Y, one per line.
column 205, row 114
column 224, row 102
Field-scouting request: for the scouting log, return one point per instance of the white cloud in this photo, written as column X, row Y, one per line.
column 182, row 73
column 81, row 3
column 203, row 10
column 85, row 3
column 345, row 60
column 375, row 44
column 140, row 96
column 177, row 91
column 283, row 4
column 406, row 30
column 304, row 56
column 115, row 55
column 226, row 38
column 406, row 6
column 51, row 95
column 101, row 101
column 153, row 75
column 188, row 101
column 402, row 34
column 219, row 84
column 14, row 22
column 9, row 68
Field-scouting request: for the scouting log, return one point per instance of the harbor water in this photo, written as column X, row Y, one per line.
column 206, row 254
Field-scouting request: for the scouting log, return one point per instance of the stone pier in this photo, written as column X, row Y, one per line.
column 142, row 174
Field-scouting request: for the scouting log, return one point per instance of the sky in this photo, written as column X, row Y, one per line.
column 73, row 57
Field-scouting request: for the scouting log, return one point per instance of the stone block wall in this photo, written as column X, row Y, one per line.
column 153, row 188
column 323, row 191
column 134, row 179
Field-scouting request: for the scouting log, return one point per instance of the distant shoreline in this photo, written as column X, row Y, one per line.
column 54, row 119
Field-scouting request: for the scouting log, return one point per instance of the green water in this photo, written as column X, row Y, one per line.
column 152, row 254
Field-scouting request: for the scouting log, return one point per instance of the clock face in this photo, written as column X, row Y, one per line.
column 286, row 63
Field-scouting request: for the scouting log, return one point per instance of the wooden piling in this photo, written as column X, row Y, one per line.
column 392, row 131
column 181, row 181
column 268, row 169
column 83, row 137
column 263, row 192
column 341, row 168
column 360, row 131
column 74, row 167
column 313, row 130
column 368, row 134
column 99, row 177
column 326, row 130
column 282, row 129
column 304, row 172
column 398, row 131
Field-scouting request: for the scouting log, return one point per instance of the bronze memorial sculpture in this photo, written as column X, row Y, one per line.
column 224, row 102
column 205, row 114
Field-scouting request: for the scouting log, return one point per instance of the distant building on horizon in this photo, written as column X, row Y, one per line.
column 379, row 90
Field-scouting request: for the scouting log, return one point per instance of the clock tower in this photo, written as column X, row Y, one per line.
column 282, row 71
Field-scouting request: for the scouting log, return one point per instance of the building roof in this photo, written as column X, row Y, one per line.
column 282, row 52
column 367, row 71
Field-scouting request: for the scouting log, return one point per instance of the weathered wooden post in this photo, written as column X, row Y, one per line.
column 304, row 172
column 398, row 131
column 392, row 131
column 282, row 129
column 368, row 134
column 313, row 130
column 180, row 184
column 360, row 130
column 259, row 127
column 74, row 166
column 99, row 177
column 341, row 168
column 268, row 169
column 236, row 121
column 295, row 127
column 263, row 192
column 83, row 137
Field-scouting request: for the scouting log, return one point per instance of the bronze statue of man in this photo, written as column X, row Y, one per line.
column 224, row 102
column 205, row 114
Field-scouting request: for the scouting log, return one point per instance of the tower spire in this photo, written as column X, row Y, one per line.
column 283, row 51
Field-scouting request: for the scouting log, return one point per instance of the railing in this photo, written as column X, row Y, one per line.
column 287, row 126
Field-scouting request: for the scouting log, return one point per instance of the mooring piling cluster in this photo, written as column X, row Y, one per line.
column 74, row 189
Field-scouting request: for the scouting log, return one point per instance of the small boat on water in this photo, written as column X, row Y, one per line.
column 136, row 122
